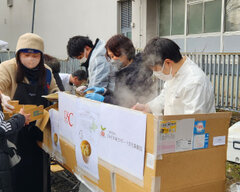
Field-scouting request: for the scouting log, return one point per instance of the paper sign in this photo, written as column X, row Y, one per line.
column 200, row 138
column 175, row 136
column 199, row 127
column 167, row 136
column 122, row 138
column 54, row 119
column 150, row 160
column 86, row 135
column 200, row 141
column 115, row 134
column 184, row 134
column 67, row 116
column 220, row 140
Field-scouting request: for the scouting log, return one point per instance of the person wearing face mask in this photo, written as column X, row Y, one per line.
column 187, row 89
column 133, row 81
column 92, row 57
column 26, row 78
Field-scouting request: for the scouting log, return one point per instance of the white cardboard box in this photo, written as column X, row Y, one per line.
column 233, row 150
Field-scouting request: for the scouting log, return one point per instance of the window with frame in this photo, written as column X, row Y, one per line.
column 126, row 17
column 232, row 15
column 171, row 17
column 204, row 16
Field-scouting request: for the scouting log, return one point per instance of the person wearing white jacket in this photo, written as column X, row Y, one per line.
column 76, row 79
column 187, row 90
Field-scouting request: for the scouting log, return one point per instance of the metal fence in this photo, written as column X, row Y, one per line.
column 5, row 55
column 223, row 70
column 67, row 66
column 70, row 65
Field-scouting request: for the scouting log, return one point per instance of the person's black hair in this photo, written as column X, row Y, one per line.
column 52, row 62
column 158, row 49
column 77, row 44
column 120, row 44
column 21, row 74
column 80, row 74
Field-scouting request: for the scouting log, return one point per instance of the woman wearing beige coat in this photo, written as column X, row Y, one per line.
column 26, row 78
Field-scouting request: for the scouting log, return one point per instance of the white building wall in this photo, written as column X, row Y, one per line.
column 58, row 20
column 144, row 22
column 138, row 23
column 15, row 20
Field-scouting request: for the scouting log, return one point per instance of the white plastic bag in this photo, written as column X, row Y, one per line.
column 235, row 187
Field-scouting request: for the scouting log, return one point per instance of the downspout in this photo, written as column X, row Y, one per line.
column 33, row 15
column 140, row 25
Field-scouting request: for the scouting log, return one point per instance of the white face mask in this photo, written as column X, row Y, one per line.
column 30, row 62
column 116, row 63
column 84, row 59
column 162, row 76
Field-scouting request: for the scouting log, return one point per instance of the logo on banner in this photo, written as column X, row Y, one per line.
column 67, row 118
column 102, row 131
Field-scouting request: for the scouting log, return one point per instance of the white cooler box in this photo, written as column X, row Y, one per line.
column 233, row 150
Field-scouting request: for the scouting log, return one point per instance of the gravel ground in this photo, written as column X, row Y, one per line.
column 64, row 181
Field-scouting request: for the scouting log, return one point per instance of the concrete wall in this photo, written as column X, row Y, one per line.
column 231, row 43
column 58, row 20
column 209, row 43
column 203, row 44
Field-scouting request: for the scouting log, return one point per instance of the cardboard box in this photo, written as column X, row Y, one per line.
column 194, row 170
column 36, row 112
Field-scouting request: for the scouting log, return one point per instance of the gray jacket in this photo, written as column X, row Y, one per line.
column 100, row 70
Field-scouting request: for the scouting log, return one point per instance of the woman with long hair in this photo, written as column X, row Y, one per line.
column 26, row 78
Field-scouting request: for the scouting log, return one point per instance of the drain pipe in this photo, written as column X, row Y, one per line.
column 34, row 3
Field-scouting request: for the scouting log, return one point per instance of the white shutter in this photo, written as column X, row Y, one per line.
column 126, row 17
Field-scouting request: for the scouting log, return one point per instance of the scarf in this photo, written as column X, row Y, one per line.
column 32, row 74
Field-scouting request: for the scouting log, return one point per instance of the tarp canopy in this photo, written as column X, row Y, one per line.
column 3, row 45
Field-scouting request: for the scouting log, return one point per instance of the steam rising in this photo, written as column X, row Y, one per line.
column 134, row 83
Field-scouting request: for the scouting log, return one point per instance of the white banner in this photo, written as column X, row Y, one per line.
column 67, row 116
column 115, row 134
column 122, row 138
column 86, row 135
column 54, row 119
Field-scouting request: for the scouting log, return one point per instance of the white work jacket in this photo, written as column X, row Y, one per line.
column 190, row 91
column 65, row 77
